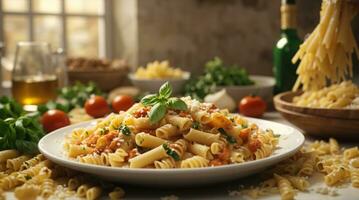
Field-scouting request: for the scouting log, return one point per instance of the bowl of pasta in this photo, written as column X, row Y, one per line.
column 177, row 141
column 336, row 101
column 151, row 77
column 331, row 111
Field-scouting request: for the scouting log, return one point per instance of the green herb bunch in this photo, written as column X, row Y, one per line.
column 216, row 74
column 18, row 130
column 9, row 108
column 71, row 97
column 162, row 101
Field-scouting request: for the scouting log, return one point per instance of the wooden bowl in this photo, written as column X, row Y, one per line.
column 105, row 79
column 284, row 101
column 322, row 126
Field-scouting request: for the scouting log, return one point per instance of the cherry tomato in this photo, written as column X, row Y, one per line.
column 54, row 119
column 97, row 106
column 252, row 106
column 122, row 102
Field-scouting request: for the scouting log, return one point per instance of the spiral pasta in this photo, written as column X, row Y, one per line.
column 32, row 162
column 94, row 159
column 195, row 162
column 308, row 166
column 337, row 175
column 354, row 176
column 285, row 187
column 298, row 182
column 47, row 188
column 117, row 158
column 165, row 163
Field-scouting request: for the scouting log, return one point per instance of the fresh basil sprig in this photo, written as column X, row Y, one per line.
column 162, row 101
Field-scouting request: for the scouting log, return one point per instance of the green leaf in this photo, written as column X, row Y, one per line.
column 149, row 100
column 157, row 112
column 171, row 153
column 229, row 138
column 165, row 90
column 26, row 146
column 196, row 125
column 176, row 104
column 125, row 130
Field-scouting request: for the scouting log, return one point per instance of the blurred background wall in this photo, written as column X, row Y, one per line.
column 190, row 32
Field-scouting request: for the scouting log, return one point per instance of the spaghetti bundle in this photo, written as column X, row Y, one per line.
column 327, row 53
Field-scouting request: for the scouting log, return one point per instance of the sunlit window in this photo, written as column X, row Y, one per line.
column 77, row 26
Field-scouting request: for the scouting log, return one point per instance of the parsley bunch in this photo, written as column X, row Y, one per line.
column 216, row 74
column 18, row 131
column 162, row 101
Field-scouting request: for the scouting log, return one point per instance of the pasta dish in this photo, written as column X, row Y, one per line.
column 182, row 133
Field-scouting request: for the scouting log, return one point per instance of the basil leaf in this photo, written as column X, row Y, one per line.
column 165, row 90
column 176, row 104
column 171, row 153
column 125, row 130
column 196, row 125
column 149, row 100
column 229, row 138
column 157, row 112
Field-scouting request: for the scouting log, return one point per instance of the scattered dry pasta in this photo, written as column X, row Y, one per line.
column 338, row 167
column 38, row 178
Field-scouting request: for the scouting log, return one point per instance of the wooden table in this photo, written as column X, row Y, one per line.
column 221, row 190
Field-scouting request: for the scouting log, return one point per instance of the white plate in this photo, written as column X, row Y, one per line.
column 290, row 141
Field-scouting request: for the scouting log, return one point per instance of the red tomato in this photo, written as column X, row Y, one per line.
column 97, row 107
column 253, row 145
column 122, row 102
column 252, row 106
column 54, row 119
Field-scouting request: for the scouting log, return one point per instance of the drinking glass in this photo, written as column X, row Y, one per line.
column 34, row 79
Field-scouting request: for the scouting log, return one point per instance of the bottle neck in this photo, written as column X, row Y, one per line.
column 288, row 16
column 290, row 32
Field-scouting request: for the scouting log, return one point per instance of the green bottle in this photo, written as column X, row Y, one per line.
column 284, row 70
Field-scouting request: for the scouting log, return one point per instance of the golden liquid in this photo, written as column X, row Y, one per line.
column 34, row 90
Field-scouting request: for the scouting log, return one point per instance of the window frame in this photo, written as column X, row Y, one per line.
column 105, row 29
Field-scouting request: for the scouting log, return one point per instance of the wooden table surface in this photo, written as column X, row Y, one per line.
column 221, row 190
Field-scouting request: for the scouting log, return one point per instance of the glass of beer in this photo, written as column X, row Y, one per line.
column 34, row 79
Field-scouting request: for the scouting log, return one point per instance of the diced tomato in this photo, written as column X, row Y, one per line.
column 113, row 145
column 254, row 144
column 143, row 112
column 244, row 134
column 225, row 154
column 215, row 162
column 92, row 139
column 133, row 153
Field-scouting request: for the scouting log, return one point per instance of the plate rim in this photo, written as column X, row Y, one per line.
column 68, row 162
